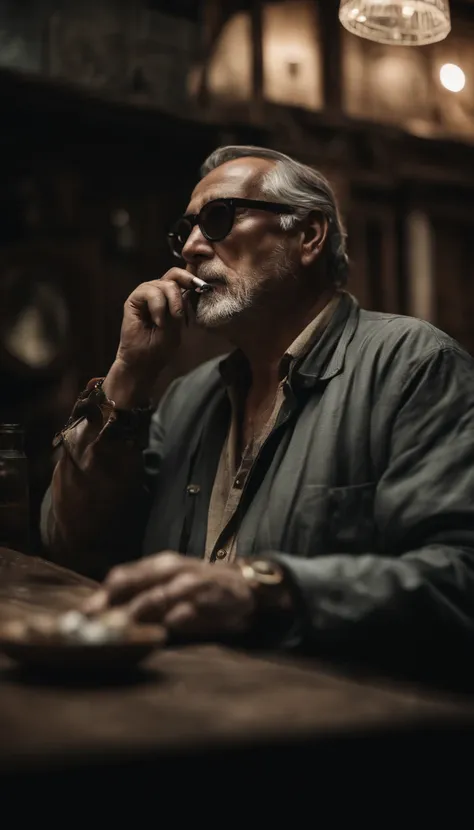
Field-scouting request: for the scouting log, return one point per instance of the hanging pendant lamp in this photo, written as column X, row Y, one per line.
column 397, row 22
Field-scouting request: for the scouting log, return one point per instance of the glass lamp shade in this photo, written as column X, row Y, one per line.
column 397, row 22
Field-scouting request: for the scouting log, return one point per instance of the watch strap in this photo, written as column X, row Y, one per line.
column 131, row 426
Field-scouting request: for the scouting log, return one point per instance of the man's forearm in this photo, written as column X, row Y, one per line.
column 95, row 510
column 126, row 387
column 406, row 612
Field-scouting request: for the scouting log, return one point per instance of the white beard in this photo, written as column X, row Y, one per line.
column 217, row 307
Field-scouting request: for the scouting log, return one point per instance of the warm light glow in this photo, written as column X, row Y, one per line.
column 404, row 22
column 292, row 72
column 452, row 77
column 229, row 71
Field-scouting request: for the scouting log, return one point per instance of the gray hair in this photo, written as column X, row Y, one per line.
column 296, row 184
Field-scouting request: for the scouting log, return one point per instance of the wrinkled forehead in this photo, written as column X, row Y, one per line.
column 238, row 178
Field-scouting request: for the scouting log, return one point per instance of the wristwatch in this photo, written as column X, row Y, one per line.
column 131, row 426
column 269, row 583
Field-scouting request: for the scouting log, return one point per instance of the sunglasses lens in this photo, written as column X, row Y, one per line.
column 178, row 236
column 217, row 219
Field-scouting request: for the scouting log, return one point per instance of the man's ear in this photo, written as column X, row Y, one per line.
column 314, row 233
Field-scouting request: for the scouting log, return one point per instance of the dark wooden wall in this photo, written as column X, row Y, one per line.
column 68, row 164
column 72, row 159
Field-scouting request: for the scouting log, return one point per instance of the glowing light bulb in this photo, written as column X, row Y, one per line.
column 452, row 77
column 404, row 22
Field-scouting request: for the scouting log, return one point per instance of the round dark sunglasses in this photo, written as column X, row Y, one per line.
column 215, row 220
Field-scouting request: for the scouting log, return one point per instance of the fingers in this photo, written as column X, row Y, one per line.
column 155, row 303
column 160, row 298
column 186, row 596
column 152, row 605
column 182, row 284
column 125, row 582
column 182, row 619
column 171, row 293
column 96, row 603
column 197, row 601
column 178, row 275
column 148, row 606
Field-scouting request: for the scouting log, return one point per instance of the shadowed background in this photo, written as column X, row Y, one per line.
column 107, row 110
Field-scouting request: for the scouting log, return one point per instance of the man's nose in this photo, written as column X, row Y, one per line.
column 196, row 247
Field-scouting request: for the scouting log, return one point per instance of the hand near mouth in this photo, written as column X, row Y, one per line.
column 151, row 333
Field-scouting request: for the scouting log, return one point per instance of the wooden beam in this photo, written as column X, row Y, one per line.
column 257, row 52
column 212, row 20
column 330, row 43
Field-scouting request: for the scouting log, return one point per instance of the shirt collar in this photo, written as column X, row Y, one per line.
column 235, row 368
column 305, row 340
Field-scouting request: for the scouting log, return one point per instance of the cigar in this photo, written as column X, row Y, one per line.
column 200, row 286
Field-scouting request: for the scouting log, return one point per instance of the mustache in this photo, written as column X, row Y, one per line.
column 210, row 274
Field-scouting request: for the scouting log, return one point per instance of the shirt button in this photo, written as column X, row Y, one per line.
column 193, row 489
column 221, row 554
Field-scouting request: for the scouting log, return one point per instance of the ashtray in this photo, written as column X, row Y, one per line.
column 74, row 642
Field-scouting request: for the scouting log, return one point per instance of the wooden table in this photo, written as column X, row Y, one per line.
column 206, row 712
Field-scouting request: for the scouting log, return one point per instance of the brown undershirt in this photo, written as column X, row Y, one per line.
column 234, row 467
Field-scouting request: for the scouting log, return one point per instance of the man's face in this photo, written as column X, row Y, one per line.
column 246, row 268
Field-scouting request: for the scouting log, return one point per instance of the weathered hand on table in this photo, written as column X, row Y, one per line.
column 188, row 597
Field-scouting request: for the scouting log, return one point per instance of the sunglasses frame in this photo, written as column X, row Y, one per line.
column 232, row 203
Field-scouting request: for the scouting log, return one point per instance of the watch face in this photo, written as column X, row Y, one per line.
column 267, row 572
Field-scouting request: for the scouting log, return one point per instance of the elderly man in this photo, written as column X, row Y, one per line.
column 314, row 489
